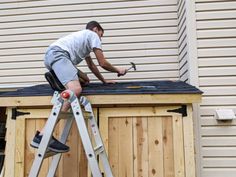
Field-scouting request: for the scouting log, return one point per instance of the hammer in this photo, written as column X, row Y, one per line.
column 132, row 66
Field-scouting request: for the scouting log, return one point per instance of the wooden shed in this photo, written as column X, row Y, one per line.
column 147, row 128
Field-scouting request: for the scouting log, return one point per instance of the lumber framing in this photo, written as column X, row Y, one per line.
column 135, row 99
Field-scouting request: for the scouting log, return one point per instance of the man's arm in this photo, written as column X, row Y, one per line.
column 106, row 65
column 94, row 69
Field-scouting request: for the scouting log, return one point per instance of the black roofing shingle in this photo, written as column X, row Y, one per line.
column 144, row 87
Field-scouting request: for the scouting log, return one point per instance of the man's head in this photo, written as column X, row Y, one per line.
column 96, row 27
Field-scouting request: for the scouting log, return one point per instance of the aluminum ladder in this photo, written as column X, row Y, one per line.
column 77, row 114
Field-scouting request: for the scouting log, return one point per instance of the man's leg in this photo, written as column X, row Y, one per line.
column 76, row 88
column 55, row 145
column 67, row 74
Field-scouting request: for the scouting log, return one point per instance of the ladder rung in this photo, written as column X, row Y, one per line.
column 98, row 149
column 65, row 115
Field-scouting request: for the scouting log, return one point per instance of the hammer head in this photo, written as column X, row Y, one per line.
column 133, row 66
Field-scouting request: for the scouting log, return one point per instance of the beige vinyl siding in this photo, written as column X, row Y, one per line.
column 216, row 34
column 188, row 64
column 143, row 32
column 182, row 41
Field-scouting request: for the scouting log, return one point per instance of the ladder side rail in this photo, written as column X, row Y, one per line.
column 83, row 131
column 56, row 158
column 97, row 137
column 99, row 142
column 49, row 127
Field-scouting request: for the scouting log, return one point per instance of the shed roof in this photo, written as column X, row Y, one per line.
column 144, row 87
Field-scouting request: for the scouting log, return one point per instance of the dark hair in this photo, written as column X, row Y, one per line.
column 90, row 25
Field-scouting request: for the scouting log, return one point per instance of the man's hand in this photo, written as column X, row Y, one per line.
column 121, row 72
column 109, row 82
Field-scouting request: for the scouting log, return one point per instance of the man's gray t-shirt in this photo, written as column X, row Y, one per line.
column 79, row 44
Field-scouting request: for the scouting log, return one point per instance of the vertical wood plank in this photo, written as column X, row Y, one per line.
column 155, row 143
column 20, row 147
column 10, row 145
column 178, row 146
column 30, row 129
column 40, row 123
column 140, row 138
column 70, row 159
column 83, row 169
column 103, row 127
column 113, row 145
column 95, row 112
column 189, row 144
column 168, row 147
column 57, row 133
column 125, row 147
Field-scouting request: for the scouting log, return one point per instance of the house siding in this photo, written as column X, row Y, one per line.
column 143, row 32
column 157, row 36
column 182, row 41
column 216, row 36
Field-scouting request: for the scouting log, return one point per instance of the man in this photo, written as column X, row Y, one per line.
column 62, row 57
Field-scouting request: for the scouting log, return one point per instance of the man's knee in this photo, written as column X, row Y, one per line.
column 78, row 91
column 75, row 87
